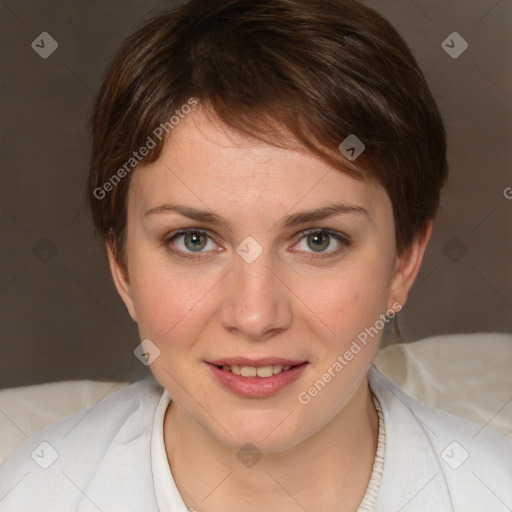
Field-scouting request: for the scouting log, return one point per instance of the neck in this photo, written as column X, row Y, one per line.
column 328, row 472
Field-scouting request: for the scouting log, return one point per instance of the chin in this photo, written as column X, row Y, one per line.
column 269, row 431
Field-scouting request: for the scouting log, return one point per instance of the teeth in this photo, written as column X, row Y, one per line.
column 252, row 371
column 265, row 371
column 248, row 371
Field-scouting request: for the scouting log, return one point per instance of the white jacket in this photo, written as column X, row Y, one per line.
column 100, row 459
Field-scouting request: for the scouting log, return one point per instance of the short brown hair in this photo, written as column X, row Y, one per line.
column 308, row 71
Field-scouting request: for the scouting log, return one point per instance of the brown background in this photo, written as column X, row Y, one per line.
column 59, row 314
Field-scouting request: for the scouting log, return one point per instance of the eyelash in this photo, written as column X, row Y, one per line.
column 343, row 239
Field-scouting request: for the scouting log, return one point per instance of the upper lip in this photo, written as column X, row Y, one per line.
column 263, row 361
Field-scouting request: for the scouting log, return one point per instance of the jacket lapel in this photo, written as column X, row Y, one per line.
column 412, row 478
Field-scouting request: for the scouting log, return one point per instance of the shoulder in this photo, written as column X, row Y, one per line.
column 54, row 469
column 462, row 464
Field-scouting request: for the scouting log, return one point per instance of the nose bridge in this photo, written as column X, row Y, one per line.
column 256, row 302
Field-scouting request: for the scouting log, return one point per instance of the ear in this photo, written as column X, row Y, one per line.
column 407, row 267
column 121, row 281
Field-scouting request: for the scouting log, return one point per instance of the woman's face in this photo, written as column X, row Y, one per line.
column 260, row 281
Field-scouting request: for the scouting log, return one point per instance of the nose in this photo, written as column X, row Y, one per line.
column 256, row 301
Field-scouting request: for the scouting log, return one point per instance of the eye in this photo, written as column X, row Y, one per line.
column 319, row 240
column 316, row 243
column 189, row 241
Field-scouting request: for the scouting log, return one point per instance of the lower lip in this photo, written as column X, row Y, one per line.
column 257, row 387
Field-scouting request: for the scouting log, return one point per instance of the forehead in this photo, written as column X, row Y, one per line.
column 205, row 163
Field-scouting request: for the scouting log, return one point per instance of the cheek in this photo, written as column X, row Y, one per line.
column 168, row 301
column 350, row 303
column 348, row 300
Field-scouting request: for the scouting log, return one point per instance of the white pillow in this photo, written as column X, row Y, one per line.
column 469, row 375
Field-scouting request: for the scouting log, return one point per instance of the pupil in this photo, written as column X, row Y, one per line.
column 320, row 241
column 195, row 239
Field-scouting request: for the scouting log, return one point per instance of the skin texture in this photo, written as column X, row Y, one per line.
column 288, row 302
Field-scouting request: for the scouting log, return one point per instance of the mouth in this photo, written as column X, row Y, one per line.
column 256, row 379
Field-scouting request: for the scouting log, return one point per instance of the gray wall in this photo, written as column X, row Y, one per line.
column 60, row 316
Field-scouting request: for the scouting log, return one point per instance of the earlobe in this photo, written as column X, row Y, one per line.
column 407, row 267
column 121, row 281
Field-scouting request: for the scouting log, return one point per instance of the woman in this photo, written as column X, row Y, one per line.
column 265, row 175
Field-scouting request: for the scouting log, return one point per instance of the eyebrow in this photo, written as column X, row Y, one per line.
column 295, row 219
